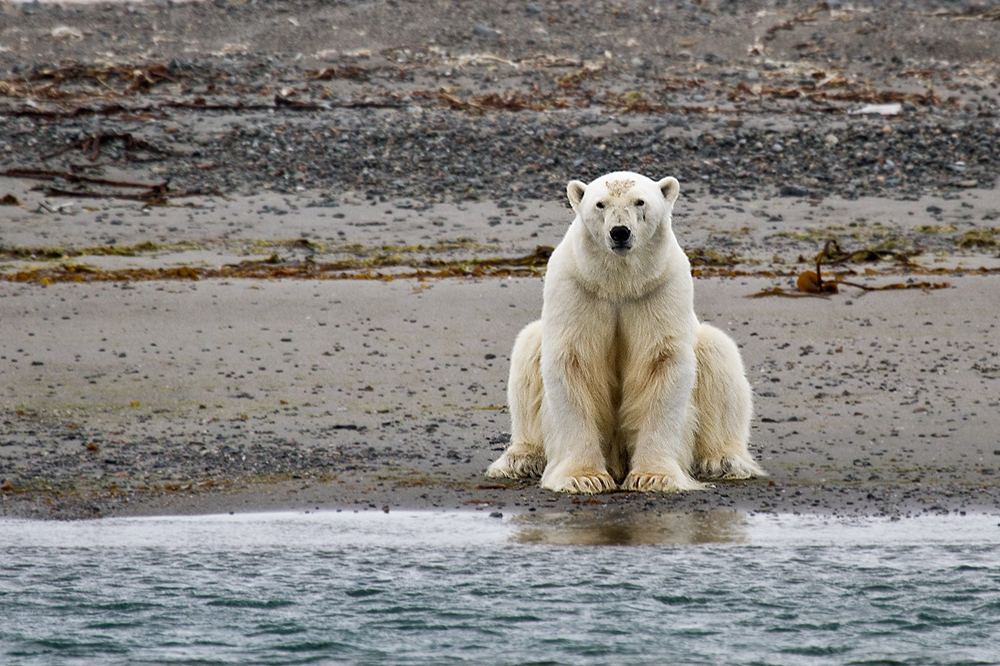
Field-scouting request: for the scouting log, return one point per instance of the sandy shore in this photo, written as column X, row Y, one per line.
column 329, row 341
column 162, row 396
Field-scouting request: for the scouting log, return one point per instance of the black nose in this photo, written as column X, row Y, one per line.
column 620, row 234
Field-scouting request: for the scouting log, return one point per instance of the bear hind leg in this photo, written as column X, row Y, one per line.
column 723, row 407
column 525, row 457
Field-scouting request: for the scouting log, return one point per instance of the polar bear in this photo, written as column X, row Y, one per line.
column 618, row 385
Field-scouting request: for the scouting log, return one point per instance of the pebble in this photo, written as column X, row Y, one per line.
column 474, row 153
column 483, row 30
column 793, row 191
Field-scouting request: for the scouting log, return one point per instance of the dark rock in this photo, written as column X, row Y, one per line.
column 483, row 30
column 794, row 191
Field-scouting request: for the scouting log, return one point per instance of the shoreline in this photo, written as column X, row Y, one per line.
column 176, row 177
column 448, row 529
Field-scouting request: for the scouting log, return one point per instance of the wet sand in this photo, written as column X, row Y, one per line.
column 327, row 342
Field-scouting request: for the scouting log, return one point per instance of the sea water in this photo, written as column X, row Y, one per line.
column 470, row 588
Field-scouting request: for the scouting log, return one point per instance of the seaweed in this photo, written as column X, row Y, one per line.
column 812, row 283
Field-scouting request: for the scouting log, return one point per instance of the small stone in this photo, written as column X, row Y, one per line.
column 483, row 30
column 794, row 191
column 830, row 140
column 777, row 147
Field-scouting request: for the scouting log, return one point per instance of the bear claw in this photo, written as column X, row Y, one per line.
column 583, row 483
column 728, row 469
column 659, row 482
column 516, row 466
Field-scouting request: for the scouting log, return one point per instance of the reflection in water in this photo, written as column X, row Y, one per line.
column 629, row 528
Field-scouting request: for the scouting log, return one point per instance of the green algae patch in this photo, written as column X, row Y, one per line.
column 930, row 229
column 140, row 249
column 980, row 239
column 376, row 267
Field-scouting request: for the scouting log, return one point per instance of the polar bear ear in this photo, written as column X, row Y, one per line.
column 670, row 188
column 575, row 191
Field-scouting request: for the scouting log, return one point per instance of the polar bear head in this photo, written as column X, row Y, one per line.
column 624, row 210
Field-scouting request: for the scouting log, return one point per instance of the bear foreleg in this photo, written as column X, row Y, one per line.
column 577, row 415
column 655, row 406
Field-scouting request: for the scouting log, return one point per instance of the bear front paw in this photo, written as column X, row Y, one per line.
column 582, row 483
column 728, row 468
column 667, row 483
column 514, row 465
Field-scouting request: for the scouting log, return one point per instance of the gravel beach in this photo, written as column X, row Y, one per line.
column 262, row 255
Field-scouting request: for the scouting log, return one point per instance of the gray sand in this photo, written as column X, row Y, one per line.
column 390, row 142
column 181, row 396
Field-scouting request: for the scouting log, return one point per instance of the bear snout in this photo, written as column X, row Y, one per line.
column 621, row 238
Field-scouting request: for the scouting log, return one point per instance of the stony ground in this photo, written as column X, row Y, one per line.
column 252, row 144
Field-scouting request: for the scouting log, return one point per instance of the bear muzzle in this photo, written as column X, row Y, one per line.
column 621, row 239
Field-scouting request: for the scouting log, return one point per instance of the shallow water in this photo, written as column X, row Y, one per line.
column 439, row 588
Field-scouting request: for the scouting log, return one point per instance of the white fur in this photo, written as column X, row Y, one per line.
column 618, row 384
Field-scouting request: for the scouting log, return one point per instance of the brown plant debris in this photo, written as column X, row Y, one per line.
column 807, row 16
column 573, row 80
column 778, row 291
column 91, row 147
column 50, row 83
column 274, row 268
column 154, row 194
column 328, row 74
column 45, row 174
column 812, row 283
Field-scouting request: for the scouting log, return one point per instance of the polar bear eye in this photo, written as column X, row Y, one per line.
column 599, row 204
column 640, row 202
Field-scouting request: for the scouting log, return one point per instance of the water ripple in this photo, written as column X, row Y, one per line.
column 396, row 596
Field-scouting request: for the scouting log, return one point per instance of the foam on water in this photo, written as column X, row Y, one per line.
column 433, row 588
